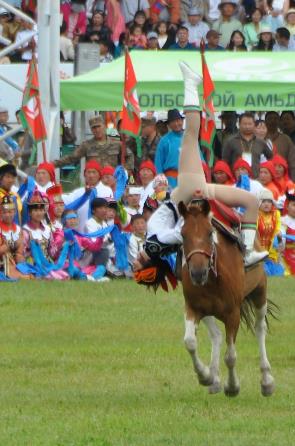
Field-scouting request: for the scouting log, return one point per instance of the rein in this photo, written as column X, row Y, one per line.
column 211, row 256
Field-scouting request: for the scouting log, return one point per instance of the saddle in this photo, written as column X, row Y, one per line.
column 227, row 221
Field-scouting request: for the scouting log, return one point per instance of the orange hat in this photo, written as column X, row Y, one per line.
column 222, row 166
column 49, row 167
column 148, row 165
column 243, row 163
column 54, row 194
column 107, row 170
column 93, row 164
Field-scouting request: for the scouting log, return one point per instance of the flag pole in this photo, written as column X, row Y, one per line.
column 44, row 151
column 123, row 147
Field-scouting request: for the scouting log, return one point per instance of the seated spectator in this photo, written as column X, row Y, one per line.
column 252, row 29
column 137, row 239
column 97, row 27
column 105, row 55
column 44, row 176
column 29, row 6
column 242, row 168
column 284, row 40
column 266, row 40
column 119, row 48
column 56, row 208
column 267, row 177
column 137, row 38
column 237, row 42
column 107, row 177
column 9, row 25
column 287, row 124
column 130, row 8
column 288, row 229
column 75, row 17
column 197, row 28
column 67, row 50
column 115, row 20
column 227, row 23
column 182, row 40
column 165, row 37
column 149, row 208
column 283, row 180
column 168, row 10
column 132, row 207
column 141, row 20
column 290, row 21
column 152, row 41
column 8, row 177
column 222, row 173
column 147, row 173
column 25, row 51
column 213, row 38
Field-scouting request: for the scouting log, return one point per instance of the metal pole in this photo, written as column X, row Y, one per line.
column 9, row 48
column 11, row 132
column 10, row 82
column 16, row 12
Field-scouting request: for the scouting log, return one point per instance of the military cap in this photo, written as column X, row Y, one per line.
column 95, row 120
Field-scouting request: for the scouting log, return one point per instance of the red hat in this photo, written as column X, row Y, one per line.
column 54, row 194
column 49, row 167
column 222, row 166
column 92, row 164
column 270, row 167
column 107, row 170
column 148, row 165
column 243, row 163
column 37, row 199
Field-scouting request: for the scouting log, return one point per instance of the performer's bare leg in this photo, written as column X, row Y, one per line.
column 191, row 178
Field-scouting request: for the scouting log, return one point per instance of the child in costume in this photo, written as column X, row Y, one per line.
column 164, row 226
column 288, row 229
column 269, row 227
column 11, row 240
column 137, row 239
column 55, row 212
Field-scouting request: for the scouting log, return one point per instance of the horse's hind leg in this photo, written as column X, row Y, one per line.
column 232, row 386
column 190, row 341
column 267, row 381
column 216, row 341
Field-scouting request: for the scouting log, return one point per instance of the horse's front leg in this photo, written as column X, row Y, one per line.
column 232, row 387
column 190, row 341
column 216, row 341
column 267, row 380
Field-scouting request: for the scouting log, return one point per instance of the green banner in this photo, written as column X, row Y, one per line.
column 243, row 81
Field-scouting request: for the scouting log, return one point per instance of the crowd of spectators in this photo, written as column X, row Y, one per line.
column 245, row 25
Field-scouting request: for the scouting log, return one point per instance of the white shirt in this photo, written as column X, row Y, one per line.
column 197, row 32
column 27, row 55
column 162, row 224
column 130, row 7
column 214, row 12
column 93, row 225
column 135, row 246
column 102, row 192
column 146, row 192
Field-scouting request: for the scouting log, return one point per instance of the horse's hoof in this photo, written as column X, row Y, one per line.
column 267, row 389
column 231, row 391
column 206, row 379
column 216, row 387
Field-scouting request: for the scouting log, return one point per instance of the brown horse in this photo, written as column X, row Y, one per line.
column 215, row 284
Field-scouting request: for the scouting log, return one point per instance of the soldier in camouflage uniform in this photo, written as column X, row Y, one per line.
column 100, row 148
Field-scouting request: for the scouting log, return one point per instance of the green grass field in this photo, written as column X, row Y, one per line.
column 104, row 364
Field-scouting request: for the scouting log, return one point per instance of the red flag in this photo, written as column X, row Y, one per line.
column 131, row 122
column 208, row 128
column 31, row 113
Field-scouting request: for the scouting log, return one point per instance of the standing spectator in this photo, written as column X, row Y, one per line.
column 101, row 148
column 246, row 145
column 168, row 149
column 227, row 22
column 165, row 37
column 130, row 7
column 187, row 5
column 237, row 42
column 290, row 21
column 228, row 128
column 182, row 42
column 149, row 138
column 274, row 11
column 67, row 51
column 75, row 17
column 168, row 10
column 197, row 29
column 287, row 124
column 115, row 19
column 266, row 40
column 213, row 38
column 282, row 143
column 141, row 20
column 252, row 29
column 284, row 40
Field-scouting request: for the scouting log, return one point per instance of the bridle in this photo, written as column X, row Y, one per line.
column 212, row 256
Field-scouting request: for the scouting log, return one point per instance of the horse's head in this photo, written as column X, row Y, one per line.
column 198, row 242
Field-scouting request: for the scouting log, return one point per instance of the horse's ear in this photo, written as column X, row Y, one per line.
column 182, row 208
column 206, row 207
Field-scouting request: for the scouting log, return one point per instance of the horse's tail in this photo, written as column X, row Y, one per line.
column 248, row 313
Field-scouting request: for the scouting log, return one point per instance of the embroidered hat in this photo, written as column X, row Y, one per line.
column 7, row 202
column 54, row 194
column 160, row 179
column 37, row 200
